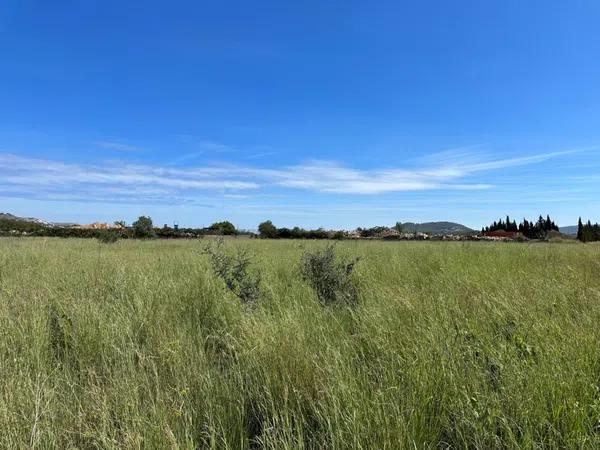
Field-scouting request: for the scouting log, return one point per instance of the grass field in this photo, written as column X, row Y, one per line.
column 452, row 345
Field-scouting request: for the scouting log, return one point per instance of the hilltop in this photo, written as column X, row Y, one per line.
column 8, row 216
column 32, row 220
column 569, row 231
column 437, row 228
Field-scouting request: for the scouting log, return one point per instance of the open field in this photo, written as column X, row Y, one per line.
column 452, row 345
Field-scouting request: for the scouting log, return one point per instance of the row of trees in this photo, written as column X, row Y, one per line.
column 21, row 226
column 529, row 229
column 588, row 232
column 142, row 228
column 267, row 230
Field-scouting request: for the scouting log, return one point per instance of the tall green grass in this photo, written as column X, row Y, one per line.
column 451, row 345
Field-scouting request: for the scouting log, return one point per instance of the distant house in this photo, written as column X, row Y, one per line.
column 501, row 234
column 99, row 226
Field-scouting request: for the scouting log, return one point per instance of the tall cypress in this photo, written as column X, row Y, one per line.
column 580, row 230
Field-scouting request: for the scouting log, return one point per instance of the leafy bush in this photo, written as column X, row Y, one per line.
column 225, row 228
column 108, row 236
column 267, row 230
column 142, row 228
column 233, row 269
column 339, row 236
column 329, row 276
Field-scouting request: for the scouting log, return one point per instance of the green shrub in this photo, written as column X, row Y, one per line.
column 143, row 228
column 233, row 269
column 329, row 276
column 225, row 228
column 108, row 236
column 339, row 236
column 267, row 230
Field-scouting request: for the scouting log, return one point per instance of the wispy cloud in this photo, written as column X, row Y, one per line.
column 447, row 174
column 260, row 155
column 118, row 146
column 213, row 146
column 520, row 161
column 167, row 184
column 201, row 147
column 331, row 177
column 43, row 178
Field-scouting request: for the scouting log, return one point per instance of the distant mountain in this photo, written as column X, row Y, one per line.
column 13, row 218
column 8, row 216
column 571, row 231
column 437, row 228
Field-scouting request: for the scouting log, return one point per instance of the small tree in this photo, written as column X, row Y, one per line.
column 329, row 276
column 267, row 230
column 234, row 270
column 142, row 228
column 225, row 227
column 399, row 227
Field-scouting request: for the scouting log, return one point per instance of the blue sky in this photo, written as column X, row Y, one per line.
column 333, row 114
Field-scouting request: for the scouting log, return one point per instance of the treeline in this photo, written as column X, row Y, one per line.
column 21, row 226
column 224, row 228
column 529, row 229
column 142, row 228
column 267, row 230
column 588, row 232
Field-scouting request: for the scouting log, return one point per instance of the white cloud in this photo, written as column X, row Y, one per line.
column 521, row 161
column 453, row 166
column 105, row 181
column 166, row 184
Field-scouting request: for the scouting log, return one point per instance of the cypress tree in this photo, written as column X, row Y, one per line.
column 541, row 224
column 580, row 230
